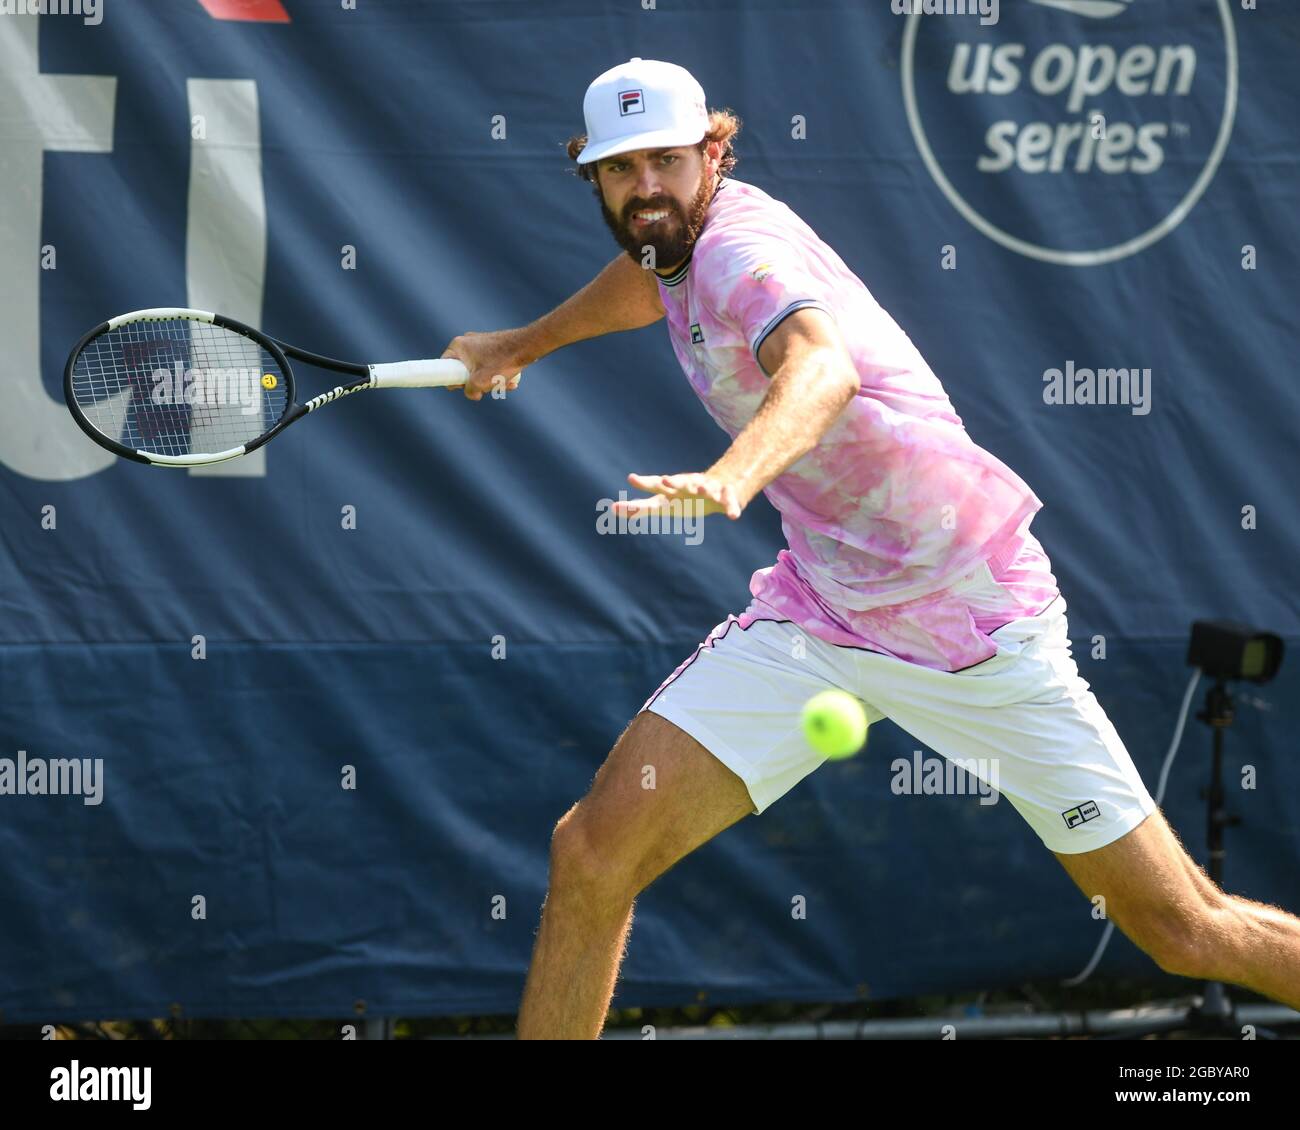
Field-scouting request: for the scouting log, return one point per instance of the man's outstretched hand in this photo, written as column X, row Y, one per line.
column 712, row 494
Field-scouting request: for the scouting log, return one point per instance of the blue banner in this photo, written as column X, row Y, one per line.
column 332, row 697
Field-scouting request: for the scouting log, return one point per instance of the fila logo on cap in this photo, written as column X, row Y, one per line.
column 666, row 101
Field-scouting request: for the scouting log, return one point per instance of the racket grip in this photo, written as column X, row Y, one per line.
column 428, row 373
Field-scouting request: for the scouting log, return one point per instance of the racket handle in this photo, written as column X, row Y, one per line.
column 419, row 374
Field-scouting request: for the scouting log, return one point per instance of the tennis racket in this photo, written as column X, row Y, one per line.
column 180, row 388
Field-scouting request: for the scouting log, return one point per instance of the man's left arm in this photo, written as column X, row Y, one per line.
column 813, row 380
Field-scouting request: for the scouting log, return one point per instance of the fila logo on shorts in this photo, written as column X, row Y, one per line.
column 630, row 102
column 1082, row 814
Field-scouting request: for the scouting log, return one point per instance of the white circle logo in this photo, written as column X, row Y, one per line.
column 1078, row 69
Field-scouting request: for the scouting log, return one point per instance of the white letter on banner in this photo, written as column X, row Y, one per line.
column 225, row 238
column 62, row 113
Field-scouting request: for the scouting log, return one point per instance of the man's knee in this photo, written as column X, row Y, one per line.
column 581, row 862
column 1162, row 901
column 659, row 795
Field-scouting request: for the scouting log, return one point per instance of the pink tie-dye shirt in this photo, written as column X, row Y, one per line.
column 904, row 536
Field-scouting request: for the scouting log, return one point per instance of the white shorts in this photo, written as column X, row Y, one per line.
column 1024, row 721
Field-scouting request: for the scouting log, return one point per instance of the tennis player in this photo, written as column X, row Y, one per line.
column 911, row 577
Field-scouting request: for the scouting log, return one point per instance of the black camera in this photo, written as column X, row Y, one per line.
column 1225, row 650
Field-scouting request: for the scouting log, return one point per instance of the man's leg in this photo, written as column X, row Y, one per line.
column 1029, row 714
column 1157, row 895
column 658, row 796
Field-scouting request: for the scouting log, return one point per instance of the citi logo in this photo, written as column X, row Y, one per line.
column 1096, row 9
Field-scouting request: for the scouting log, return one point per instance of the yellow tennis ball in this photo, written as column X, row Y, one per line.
column 834, row 724
column 269, row 381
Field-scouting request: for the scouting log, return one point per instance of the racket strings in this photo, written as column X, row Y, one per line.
column 179, row 387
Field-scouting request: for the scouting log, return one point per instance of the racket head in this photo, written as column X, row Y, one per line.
column 176, row 387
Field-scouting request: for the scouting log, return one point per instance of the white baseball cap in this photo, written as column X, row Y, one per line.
column 642, row 104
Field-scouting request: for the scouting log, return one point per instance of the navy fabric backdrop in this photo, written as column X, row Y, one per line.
column 372, row 647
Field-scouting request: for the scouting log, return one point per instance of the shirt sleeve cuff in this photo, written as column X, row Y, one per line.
column 777, row 319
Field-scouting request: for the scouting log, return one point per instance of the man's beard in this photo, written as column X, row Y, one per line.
column 673, row 241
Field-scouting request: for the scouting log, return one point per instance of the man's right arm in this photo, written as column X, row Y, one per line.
column 624, row 296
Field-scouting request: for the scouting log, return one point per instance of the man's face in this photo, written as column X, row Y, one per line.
column 656, row 198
